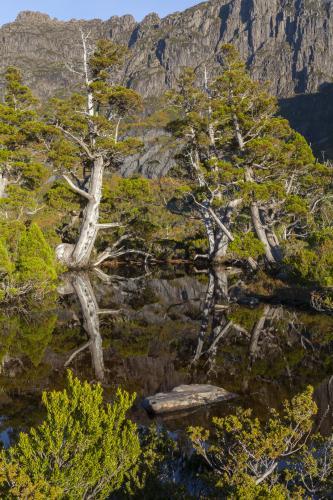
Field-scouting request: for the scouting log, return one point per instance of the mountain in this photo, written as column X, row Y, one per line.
column 286, row 42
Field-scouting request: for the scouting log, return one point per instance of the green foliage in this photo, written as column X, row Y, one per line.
column 83, row 448
column 312, row 261
column 234, row 148
column 245, row 246
column 35, row 259
column 245, row 453
column 6, row 265
column 34, row 337
column 21, row 153
column 16, row 484
column 139, row 204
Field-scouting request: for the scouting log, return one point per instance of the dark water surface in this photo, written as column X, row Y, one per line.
column 152, row 332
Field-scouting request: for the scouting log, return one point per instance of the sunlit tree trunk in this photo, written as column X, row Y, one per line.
column 3, row 184
column 79, row 255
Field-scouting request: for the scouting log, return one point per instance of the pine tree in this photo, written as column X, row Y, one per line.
column 22, row 168
column 89, row 140
column 249, row 169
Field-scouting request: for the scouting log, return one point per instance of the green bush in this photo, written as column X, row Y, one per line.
column 35, row 259
column 6, row 265
column 313, row 261
column 83, row 449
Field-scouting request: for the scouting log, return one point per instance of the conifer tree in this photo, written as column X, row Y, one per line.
column 22, row 167
column 90, row 140
column 246, row 164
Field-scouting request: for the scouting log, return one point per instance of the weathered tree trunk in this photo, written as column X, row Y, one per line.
column 209, row 226
column 261, row 232
column 3, row 184
column 89, row 229
column 275, row 245
column 272, row 256
column 222, row 238
column 221, row 247
column 78, row 255
column 255, row 212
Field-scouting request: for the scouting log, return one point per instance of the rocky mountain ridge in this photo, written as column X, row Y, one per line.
column 286, row 42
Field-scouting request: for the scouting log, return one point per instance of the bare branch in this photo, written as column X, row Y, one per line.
column 76, row 188
column 109, row 225
column 220, row 224
column 78, row 141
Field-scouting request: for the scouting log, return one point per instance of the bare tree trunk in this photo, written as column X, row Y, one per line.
column 255, row 212
column 222, row 240
column 3, row 184
column 275, row 245
column 261, row 232
column 78, row 255
column 209, row 225
column 89, row 229
column 90, row 311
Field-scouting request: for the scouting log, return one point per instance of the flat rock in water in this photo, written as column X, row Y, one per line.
column 186, row 396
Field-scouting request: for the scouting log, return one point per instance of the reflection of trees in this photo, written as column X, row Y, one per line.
column 24, row 336
column 213, row 311
column 91, row 312
column 265, row 342
column 324, row 399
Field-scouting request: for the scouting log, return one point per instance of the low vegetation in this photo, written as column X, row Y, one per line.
column 86, row 448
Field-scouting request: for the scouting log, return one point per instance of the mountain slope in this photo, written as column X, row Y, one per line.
column 286, row 42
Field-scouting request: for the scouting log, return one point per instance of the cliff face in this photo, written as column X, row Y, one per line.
column 286, row 42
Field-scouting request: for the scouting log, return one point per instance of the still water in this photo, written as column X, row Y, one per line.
column 151, row 331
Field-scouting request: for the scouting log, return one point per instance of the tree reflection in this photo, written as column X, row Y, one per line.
column 81, row 286
column 254, row 344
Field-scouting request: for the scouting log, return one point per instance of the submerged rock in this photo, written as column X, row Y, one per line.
column 186, row 396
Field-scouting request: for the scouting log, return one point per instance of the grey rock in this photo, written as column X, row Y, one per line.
column 184, row 397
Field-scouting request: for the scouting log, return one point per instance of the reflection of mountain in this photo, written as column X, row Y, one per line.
column 167, row 331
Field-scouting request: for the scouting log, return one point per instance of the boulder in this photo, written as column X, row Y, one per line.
column 184, row 397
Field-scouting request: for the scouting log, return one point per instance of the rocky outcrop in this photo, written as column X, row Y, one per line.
column 288, row 43
column 184, row 397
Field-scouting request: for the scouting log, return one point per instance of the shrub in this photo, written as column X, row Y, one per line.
column 83, row 449
column 6, row 265
column 35, row 260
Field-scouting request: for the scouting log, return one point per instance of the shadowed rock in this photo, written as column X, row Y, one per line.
column 186, row 396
